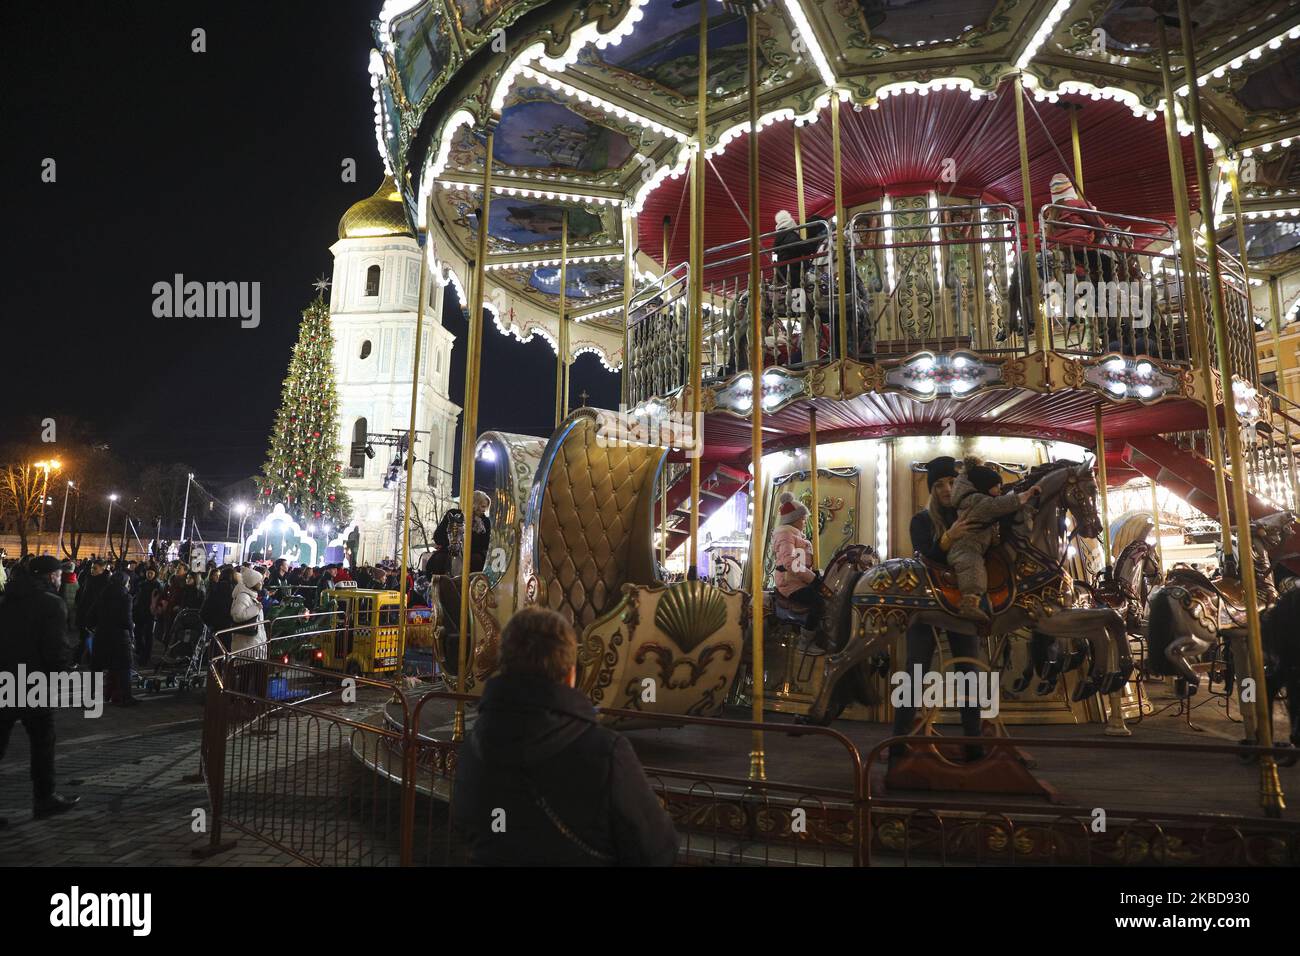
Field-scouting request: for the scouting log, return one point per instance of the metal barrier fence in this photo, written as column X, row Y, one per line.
column 336, row 771
column 938, row 278
column 1112, row 283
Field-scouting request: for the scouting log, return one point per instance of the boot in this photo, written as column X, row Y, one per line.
column 53, row 805
column 970, row 609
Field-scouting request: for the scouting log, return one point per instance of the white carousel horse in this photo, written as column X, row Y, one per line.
column 1029, row 589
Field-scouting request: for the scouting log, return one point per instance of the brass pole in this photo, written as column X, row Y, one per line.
column 1269, row 784
column 812, row 465
column 1103, row 491
column 842, row 273
column 1031, row 244
column 562, row 339
column 410, row 436
column 1193, row 302
column 798, row 176
column 469, row 432
column 757, row 759
column 1275, row 305
column 1074, row 141
column 1155, row 520
column 629, row 281
column 663, row 475
column 698, row 176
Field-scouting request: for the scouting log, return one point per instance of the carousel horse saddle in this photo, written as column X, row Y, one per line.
column 943, row 580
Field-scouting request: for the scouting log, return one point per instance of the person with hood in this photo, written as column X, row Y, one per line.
column 33, row 634
column 796, row 578
column 569, row 791
column 114, row 638
column 977, row 496
column 246, row 609
column 145, row 611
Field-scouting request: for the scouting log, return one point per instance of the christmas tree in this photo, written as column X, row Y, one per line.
column 302, row 464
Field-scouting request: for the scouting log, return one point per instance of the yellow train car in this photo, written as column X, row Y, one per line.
column 368, row 639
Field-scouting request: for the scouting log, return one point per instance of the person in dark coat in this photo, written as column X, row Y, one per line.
column 216, row 608
column 92, row 588
column 33, row 622
column 933, row 530
column 539, row 781
column 144, row 611
column 114, row 639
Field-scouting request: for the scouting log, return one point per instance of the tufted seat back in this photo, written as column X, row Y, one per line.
column 594, row 523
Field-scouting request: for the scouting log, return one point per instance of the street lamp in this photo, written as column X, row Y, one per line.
column 46, row 467
column 70, row 485
column 108, row 522
column 242, row 509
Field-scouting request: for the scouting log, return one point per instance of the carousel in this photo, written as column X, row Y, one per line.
column 825, row 246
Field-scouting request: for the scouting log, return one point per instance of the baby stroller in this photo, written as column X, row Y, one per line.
column 184, row 660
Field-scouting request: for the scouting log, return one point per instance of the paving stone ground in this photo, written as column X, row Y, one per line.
column 136, row 809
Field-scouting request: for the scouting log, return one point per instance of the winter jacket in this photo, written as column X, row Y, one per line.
column 216, row 608
column 926, row 537
column 982, row 512
column 114, row 629
column 572, row 792
column 88, row 599
column 788, row 542
column 33, row 619
column 69, row 590
column 246, row 608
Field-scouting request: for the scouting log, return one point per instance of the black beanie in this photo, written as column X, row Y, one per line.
column 945, row 466
column 984, row 479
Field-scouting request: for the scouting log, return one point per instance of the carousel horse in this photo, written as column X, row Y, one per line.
column 1187, row 614
column 1124, row 590
column 1279, row 631
column 1028, row 589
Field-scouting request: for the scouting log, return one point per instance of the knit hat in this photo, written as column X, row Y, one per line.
column 252, row 579
column 936, row 469
column 784, row 220
column 1062, row 188
column 44, row 564
column 791, row 511
column 983, row 478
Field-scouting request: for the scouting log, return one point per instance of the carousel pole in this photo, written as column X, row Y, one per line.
column 1270, row 786
column 841, row 273
column 757, row 759
column 1103, row 491
column 1155, row 521
column 1197, row 320
column 663, row 475
column 562, row 339
column 1074, row 109
column 812, row 467
column 1031, row 243
column 629, row 280
column 697, row 289
column 1275, row 305
column 410, row 432
column 798, row 176
column 469, row 431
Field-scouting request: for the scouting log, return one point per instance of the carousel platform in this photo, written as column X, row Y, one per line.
column 1117, row 774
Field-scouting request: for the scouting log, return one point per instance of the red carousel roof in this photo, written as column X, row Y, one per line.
column 900, row 148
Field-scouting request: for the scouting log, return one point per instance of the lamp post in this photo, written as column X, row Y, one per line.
column 46, row 467
column 63, row 517
column 108, row 522
column 185, row 512
column 242, row 508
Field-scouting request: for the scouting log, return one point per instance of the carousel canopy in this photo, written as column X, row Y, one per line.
column 593, row 106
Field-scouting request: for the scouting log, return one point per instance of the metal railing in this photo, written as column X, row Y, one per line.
column 936, row 277
column 1112, row 283
column 359, row 771
column 798, row 304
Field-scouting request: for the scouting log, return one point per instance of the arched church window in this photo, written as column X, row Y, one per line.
column 372, row 280
column 365, row 349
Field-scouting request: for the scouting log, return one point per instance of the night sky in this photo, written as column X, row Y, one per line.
column 223, row 166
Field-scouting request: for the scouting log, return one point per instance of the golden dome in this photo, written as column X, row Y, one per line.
column 380, row 215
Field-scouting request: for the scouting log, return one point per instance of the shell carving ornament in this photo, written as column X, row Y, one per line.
column 689, row 612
